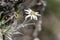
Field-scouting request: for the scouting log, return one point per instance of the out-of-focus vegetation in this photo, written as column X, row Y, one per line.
column 51, row 21
column 53, row 6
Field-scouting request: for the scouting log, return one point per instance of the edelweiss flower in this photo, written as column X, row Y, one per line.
column 32, row 14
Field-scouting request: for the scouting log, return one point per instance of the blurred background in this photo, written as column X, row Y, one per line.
column 51, row 21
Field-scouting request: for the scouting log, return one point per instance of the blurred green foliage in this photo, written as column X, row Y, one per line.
column 53, row 6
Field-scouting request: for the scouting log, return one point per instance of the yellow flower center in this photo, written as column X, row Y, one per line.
column 32, row 13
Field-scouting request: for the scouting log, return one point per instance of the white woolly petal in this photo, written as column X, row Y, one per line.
column 31, row 17
column 26, row 10
column 27, row 16
column 35, row 17
column 30, row 12
column 38, row 14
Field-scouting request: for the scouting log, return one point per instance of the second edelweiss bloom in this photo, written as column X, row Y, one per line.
column 32, row 14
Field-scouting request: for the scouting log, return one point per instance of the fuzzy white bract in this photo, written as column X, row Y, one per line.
column 32, row 14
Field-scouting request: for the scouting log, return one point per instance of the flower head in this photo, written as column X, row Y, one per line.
column 32, row 14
